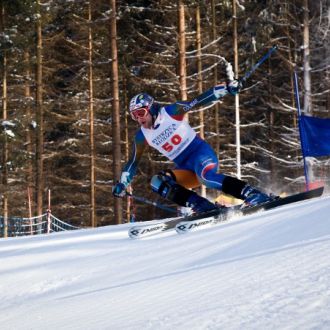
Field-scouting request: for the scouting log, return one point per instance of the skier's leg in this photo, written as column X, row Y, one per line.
column 164, row 183
column 240, row 189
column 185, row 178
column 206, row 169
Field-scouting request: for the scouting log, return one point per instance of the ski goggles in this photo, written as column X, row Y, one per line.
column 139, row 113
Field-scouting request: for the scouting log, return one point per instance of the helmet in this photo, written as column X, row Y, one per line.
column 141, row 100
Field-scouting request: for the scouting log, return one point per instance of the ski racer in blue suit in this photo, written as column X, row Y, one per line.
column 163, row 127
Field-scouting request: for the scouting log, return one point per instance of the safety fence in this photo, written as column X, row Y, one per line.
column 43, row 224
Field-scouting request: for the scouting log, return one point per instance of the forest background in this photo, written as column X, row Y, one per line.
column 69, row 68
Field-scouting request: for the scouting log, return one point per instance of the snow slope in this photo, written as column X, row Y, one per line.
column 270, row 270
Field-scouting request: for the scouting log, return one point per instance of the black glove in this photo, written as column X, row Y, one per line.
column 119, row 190
column 234, row 87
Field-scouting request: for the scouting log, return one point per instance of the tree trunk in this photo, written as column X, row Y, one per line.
column 130, row 201
column 216, row 107
column 237, row 114
column 93, row 219
column 182, row 51
column 39, row 115
column 29, row 147
column 4, row 181
column 273, row 167
column 199, row 66
column 307, row 80
column 116, row 142
column 200, row 77
column 307, row 68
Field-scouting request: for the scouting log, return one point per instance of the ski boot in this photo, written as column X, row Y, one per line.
column 241, row 190
column 200, row 204
column 253, row 197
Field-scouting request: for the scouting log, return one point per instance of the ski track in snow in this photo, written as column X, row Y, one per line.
column 268, row 270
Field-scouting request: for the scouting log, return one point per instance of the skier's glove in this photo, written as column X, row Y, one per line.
column 234, row 87
column 125, row 178
column 119, row 190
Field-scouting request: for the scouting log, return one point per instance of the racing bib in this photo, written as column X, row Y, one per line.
column 169, row 136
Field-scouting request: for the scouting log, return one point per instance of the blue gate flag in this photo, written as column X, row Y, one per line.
column 315, row 136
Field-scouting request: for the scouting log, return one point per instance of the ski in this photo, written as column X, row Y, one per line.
column 186, row 226
column 210, row 218
column 144, row 230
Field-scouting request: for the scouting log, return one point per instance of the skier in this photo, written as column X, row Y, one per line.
column 163, row 127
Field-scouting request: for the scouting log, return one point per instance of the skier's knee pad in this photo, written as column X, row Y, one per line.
column 165, row 186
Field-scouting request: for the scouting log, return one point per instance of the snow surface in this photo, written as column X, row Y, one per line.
column 264, row 271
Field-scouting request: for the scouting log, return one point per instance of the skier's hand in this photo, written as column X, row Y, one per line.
column 119, row 190
column 125, row 178
column 234, row 87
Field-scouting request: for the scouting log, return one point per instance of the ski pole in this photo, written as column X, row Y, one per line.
column 256, row 66
column 156, row 204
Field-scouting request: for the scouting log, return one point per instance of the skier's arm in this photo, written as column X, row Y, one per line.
column 129, row 170
column 212, row 95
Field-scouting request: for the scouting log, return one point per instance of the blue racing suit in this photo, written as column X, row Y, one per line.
column 196, row 160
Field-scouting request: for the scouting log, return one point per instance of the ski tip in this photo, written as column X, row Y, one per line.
column 137, row 232
column 317, row 191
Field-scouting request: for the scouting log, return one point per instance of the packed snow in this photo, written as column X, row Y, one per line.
column 265, row 271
